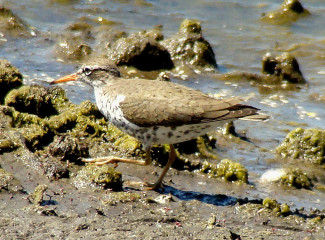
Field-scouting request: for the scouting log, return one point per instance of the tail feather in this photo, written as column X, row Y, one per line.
column 256, row 117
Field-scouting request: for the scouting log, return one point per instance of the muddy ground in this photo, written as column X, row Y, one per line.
column 190, row 207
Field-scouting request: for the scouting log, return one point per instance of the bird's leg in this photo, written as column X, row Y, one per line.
column 171, row 159
column 112, row 159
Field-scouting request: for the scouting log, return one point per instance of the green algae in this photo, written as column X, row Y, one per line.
column 279, row 209
column 296, row 178
column 306, row 145
column 122, row 140
column 227, row 170
column 33, row 128
column 31, row 99
column 98, row 177
column 59, row 99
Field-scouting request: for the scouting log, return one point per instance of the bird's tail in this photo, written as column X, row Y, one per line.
column 256, row 117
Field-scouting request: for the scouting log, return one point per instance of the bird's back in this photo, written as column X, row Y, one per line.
column 158, row 103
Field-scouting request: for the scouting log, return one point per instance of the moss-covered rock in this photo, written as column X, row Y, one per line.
column 121, row 140
column 98, row 177
column 80, row 27
column 10, row 78
column 155, row 33
column 227, row 170
column 12, row 25
column 37, row 196
column 72, row 48
column 31, row 127
column 284, row 66
column 290, row 11
column 188, row 46
column 31, row 99
column 280, row 209
column 59, row 99
column 280, row 72
column 288, row 177
column 295, row 177
column 6, row 143
column 140, row 51
column 304, row 145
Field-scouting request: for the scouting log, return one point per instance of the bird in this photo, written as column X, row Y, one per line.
column 156, row 112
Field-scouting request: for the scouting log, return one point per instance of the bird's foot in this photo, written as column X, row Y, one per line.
column 103, row 160
column 154, row 186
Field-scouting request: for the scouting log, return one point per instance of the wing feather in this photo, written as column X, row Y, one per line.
column 152, row 103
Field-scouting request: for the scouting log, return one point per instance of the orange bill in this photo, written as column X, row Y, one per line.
column 71, row 77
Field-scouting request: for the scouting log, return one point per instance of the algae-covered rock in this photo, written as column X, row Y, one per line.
column 82, row 120
column 10, row 78
column 140, row 51
column 8, row 182
column 290, row 11
column 155, row 33
column 68, row 148
column 289, row 177
column 105, row 36
column 295, row 177
column 32, row 128
column 203, row 145
column 72, row 47
column 315, row 221
column 6, row 143
column 188, row 46
column 36, row 136
column 37, row 196
column 31, row 99
column 227, row 170
column 98, row 177
column 13, row 25
column 80, row 27
column 284, row 66
column 281, row 72
column 304, row 145
column 59, row 99
column 280, row 209
column 121, row 140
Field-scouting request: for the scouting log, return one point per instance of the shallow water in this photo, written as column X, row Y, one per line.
column 239, row 39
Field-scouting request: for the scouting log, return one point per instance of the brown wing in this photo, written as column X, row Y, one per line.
column 158, row 103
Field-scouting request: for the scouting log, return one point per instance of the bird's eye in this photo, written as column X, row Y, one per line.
column 87, row 71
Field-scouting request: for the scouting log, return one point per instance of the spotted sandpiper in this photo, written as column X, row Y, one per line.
column 156, row 112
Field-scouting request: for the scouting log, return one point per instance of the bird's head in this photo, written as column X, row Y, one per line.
column 95, row 73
